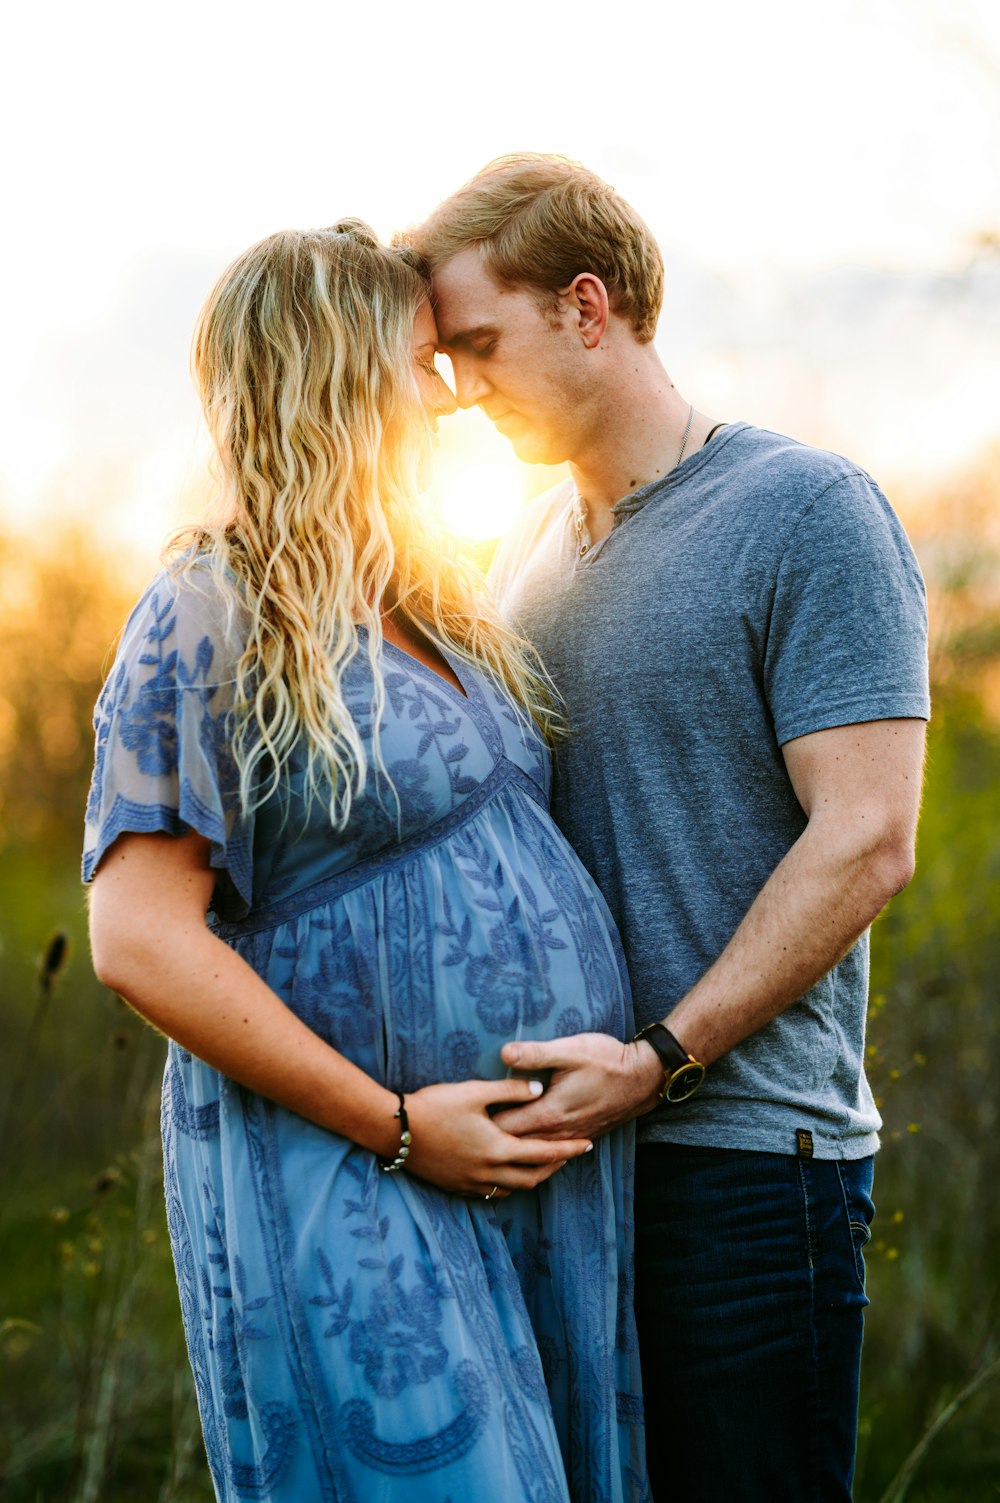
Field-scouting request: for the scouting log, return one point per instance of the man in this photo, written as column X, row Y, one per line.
column 738, row 627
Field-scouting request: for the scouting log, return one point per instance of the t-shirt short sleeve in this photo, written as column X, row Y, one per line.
column 163, row 758
column 847, row 639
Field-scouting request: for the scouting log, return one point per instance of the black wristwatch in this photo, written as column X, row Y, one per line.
column 682, row 1073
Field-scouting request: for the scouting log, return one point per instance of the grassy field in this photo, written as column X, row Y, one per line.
column 96, row 1402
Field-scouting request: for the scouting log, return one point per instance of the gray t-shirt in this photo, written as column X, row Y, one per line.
column 761, row 591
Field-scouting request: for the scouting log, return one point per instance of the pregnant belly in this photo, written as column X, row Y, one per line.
column 422, row 973
column 521, row 947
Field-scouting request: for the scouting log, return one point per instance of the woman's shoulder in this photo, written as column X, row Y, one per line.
column 190, row 585
column 189, row 616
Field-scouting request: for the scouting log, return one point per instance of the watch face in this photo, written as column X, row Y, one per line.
column 684, row 1082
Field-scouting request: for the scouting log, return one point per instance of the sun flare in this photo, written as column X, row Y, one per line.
column 480, row 498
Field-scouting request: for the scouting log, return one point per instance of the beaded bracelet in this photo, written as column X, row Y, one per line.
column 389, row 1166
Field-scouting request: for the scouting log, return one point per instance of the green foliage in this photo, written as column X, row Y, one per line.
column 934, row 1059
column 96, row 1399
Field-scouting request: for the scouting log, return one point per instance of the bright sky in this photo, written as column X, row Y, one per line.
column 819, row 178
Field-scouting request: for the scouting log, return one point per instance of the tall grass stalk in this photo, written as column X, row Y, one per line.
column 112, row 1333
column 900, row 1484
column 52, row 965
column 187, row 1449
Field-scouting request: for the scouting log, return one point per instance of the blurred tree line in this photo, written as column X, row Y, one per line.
column 61, row 607
column 95, row 1398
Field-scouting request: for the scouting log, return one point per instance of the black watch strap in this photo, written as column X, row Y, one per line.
column 682, row 1073
column 672, row 1056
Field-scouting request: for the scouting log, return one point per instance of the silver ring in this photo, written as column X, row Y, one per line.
column 492, row 1193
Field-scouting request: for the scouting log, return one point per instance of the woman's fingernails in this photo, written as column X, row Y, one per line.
column 589, row 1148
column 535, row 1087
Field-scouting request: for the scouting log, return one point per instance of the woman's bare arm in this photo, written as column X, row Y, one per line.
column 151, row 944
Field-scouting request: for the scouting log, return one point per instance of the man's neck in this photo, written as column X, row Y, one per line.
column 638, row 439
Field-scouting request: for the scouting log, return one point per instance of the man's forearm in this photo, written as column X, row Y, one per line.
column 812, row 909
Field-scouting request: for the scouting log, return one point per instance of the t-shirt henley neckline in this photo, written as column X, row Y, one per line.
column 654, row 490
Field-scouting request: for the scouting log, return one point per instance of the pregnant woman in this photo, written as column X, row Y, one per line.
column 323, row 866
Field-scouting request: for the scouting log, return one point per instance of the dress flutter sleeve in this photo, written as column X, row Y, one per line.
column 163, row 757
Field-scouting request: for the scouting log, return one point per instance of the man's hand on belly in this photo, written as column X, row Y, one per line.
column 597, row 1083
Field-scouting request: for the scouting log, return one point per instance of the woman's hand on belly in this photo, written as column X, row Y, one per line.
column 458, row 1146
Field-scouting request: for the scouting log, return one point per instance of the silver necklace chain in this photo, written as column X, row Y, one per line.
column 580, row 518
column 687, row 435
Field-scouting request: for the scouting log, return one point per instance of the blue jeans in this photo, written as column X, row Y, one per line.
column 750, row 1296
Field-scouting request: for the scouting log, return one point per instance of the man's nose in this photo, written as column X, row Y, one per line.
column 471, row 386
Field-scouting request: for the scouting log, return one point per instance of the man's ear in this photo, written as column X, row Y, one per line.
column 587, row 298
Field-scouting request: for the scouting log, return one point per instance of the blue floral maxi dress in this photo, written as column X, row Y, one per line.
column 356, row 1335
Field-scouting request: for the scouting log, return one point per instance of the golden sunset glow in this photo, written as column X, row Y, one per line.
column 482, row 499
column 824, row 188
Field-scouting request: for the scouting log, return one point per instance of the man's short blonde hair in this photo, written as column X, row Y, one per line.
column 541, row 220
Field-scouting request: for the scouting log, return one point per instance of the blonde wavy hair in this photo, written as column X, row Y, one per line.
column 302, row 356
column 538, row 220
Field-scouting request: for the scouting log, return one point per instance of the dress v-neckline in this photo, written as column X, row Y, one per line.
column 461, row 693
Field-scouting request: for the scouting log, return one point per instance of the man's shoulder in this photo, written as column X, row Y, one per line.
column 774, row 482
column 761, row 451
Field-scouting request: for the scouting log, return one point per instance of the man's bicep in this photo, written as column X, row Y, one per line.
column 872, row 770
column 846, row 641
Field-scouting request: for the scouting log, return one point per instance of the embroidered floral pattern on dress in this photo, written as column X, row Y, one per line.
column 505, row 982
column 532, row 1261
column 454, row 1440
column 193, row 1121
column 103, row 715
column 459, row 1055
column 330, row 993
column 399, row 1342
column 510, row 982
column 149, row 724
